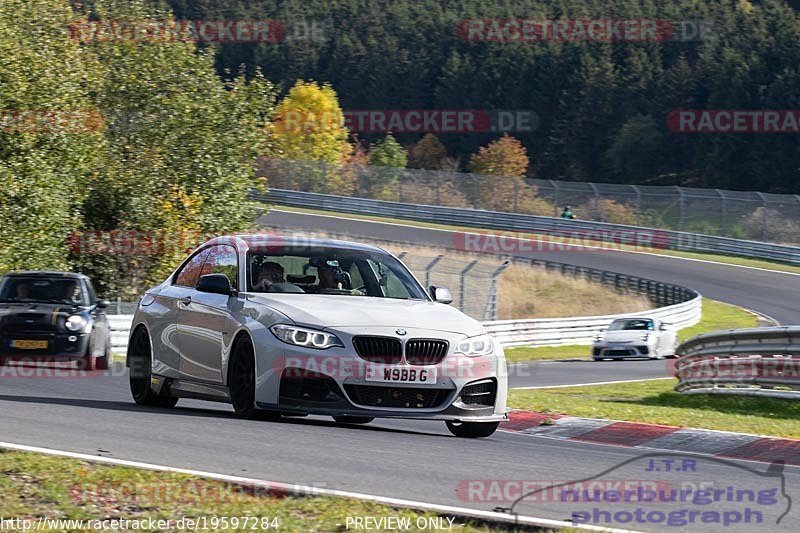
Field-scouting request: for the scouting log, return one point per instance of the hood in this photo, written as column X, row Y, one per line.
column 36, row 308
column 356, row 311
column 36, row 313
column 626, row 335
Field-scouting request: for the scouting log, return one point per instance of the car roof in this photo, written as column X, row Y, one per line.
column 269, row 240
column 46, row 274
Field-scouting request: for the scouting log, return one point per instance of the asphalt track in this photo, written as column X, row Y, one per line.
column 415, row 460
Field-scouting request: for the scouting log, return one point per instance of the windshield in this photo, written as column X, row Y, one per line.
column 632, row 325
column 42, row 289
column 317, row 270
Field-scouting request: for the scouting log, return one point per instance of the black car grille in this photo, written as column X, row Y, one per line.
column 480, row 393
column 383, row 350
column 29, row 329
column 619, row 353
column 405, row 397
column 425, row 351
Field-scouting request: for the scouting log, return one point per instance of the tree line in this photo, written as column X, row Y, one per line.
column 602, row 107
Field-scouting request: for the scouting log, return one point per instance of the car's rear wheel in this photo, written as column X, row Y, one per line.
column 242, row 379
column 472, row 430
column 140, row 373
column 346, row 419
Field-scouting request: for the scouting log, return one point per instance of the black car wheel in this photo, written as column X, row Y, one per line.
column 139, row 359
column 472, row 430
column 242, row 378
column 346, row 419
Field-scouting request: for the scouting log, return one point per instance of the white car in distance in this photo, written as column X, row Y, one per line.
column 635, row 337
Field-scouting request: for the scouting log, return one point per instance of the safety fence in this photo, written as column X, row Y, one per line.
column 742, row 215
column 749, row 362
column 533, row 226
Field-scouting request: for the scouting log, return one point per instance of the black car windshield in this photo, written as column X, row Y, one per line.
column 42, row 289
column 337, row 271
column 631, row 325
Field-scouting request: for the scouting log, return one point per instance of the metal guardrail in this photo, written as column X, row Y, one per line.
column 750, row 362
column 533, row 224
column 581, row 330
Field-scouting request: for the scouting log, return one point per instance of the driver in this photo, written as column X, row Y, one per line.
column 269, row 273
column 23, row 291
column 327, row 277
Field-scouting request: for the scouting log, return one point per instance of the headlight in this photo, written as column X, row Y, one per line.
column 308, row 338
column 645, row 337
column 475, row 346
column 600, row 337
column 76, row 323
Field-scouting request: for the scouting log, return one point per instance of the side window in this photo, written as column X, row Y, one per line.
column 190, row 273
column 222, row 260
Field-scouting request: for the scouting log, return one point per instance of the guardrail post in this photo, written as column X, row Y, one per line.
column 438, row 187
column 119, row 305
column 464, row 273
column 638, row 205
column 681, row 208
column 763, row 216
column 428, row 270
column 491, row 302
column 555, row 197
column 724, row 212
column 597, row 200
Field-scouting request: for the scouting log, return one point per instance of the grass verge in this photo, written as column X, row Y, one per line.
column 35, row 485
column 655, row 402
column 716, row 316
column 725, row 259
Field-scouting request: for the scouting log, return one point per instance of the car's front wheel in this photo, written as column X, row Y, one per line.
column 472, row 430
column 242, row 378
column 346, row 419
column 140, row 373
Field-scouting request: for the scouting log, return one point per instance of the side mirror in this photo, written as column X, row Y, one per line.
column 441, row 295
column 102, row 304
column 215, row 284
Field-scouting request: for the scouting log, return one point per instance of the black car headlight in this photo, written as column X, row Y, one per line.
column 78, row 323
column 305, row 337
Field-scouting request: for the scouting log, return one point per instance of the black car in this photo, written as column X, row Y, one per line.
column 53, row 316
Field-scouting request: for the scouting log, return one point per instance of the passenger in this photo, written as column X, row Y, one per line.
column 268, row 274
column 568, row 214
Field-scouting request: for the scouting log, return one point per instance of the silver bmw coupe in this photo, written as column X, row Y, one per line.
column 286, row 326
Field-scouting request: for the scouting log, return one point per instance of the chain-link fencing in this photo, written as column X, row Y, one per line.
column 742, row 215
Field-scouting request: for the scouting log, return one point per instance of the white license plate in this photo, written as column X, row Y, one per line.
column 400, row 374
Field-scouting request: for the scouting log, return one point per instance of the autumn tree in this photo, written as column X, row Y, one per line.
column 429, row 153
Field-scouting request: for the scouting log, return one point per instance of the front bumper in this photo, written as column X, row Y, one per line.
column 621, row 351
column 60, row 346
column 334, row 382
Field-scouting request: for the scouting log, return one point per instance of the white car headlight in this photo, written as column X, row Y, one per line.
column 308, row 338
column 76, row 323
column 476, row 346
